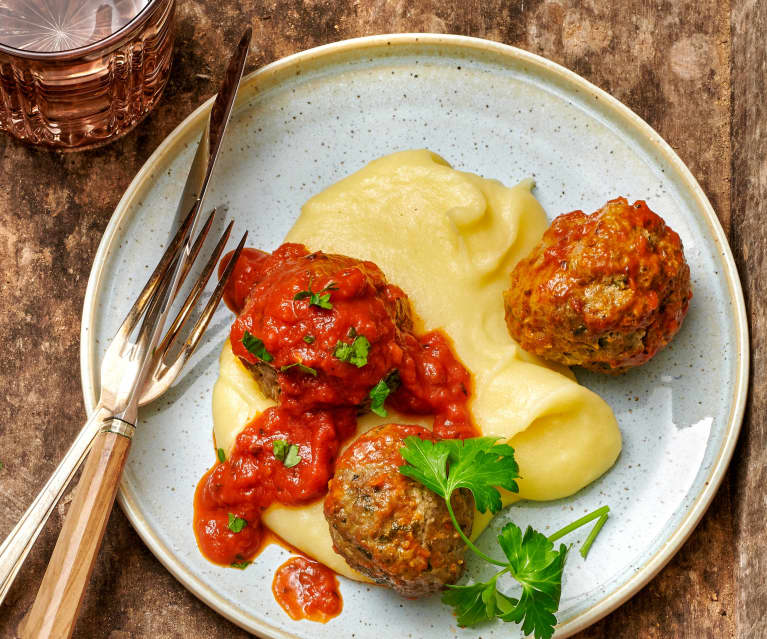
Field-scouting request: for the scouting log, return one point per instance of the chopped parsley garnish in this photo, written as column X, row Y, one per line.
column 309, row 339
column 236, row 524
column 221, row 455
column 280, row 448
column 292, row 457
column 242, row 565
column 301, row 367
column 378, row 395
column 321, row 299
column 256, row 347
column 355, row 353
column 286, row 453
column 481, row 465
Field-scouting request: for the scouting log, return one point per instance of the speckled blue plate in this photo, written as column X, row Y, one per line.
column 306, row 121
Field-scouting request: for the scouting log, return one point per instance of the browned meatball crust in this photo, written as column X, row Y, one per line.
column 388, row 526
column 604, row 291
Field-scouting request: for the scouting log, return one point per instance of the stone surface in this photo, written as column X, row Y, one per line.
column 693, row 70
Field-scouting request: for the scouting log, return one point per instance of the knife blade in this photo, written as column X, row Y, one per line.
column 207, row 150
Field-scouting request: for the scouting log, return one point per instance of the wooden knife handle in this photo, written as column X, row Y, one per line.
column 55, row 609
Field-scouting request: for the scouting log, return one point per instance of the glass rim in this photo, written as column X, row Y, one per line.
column 138, row 20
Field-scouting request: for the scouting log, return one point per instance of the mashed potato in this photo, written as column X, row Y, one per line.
column 449, row 239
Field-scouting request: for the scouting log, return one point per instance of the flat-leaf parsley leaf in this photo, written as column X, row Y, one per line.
column 320, row 299
column 280, row 448
column 236, row 524
column 355, row 353
column 292, row 457
column 301, row 367
column 256, row 347
column 477, row 602
column 287, row 453
column 478, row 464
column 534, row 563
column 378, row 395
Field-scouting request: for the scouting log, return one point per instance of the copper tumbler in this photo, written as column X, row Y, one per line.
column 75, row 74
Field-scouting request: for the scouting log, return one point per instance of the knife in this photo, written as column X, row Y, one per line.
column 16, row 546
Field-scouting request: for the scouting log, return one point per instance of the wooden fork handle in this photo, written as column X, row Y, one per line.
column 55, row 609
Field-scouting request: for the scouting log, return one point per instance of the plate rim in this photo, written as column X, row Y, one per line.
column 674, row 541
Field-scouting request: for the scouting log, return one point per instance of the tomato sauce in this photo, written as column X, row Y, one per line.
column 307, row 589
column 297, row 313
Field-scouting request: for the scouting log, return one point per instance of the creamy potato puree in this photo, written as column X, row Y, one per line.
column 449, row 239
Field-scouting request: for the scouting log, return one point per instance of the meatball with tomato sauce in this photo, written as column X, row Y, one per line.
column 323, row 330
column 604, row 291
column 388, row 526
column 317, row 327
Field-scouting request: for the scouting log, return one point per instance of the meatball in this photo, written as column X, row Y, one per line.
column 265, row 373
column 604, row 291
column 317, row 328
column 388, row 526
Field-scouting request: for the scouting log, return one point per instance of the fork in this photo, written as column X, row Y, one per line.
column 133, row 373
column 106, row 436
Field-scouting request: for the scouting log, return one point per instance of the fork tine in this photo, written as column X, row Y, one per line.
column 199, row 286
column 162, row 268
column 153, row 313
column 194, row 252
column 213, row 301
column 162, row 375
column 198, row 331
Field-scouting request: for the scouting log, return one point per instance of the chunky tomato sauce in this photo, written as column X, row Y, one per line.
column 307, row 589
column 297, row 312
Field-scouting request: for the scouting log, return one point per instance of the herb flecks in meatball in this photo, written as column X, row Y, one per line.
column 604, row 291
column 388, row 526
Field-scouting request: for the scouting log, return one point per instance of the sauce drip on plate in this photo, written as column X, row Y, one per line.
column 307, row 589
column 321, row 332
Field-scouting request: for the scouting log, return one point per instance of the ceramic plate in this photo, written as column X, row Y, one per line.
column 304, row 122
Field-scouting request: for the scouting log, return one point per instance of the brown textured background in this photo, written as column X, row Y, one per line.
column 695, row 70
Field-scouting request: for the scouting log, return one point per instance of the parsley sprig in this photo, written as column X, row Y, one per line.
column 481, row 465
column 321, row 299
